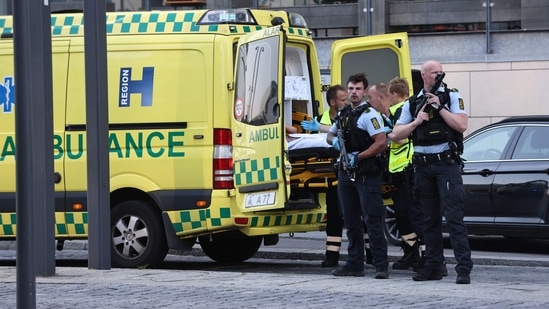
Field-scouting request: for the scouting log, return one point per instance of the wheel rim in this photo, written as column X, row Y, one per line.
column 390, row 223
column 130, row 237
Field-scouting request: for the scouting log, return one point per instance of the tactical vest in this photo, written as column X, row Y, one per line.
column 435, row 131
column 355, row 139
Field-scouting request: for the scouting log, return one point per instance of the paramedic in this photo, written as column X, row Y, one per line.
column 336, row 96
column 388, row 100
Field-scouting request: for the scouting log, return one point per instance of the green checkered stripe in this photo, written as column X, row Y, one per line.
column 257, row 170
column 200, row 219
column 72, row 223
column 8, row 224
column 144, row 22
column 283, row 220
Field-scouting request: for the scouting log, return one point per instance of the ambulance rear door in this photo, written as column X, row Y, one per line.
column 380, row 57
column 257, row 122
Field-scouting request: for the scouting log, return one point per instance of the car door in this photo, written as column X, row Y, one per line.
column 260, row 168
column 521, row 183
column 482, row 155
column 380, row 57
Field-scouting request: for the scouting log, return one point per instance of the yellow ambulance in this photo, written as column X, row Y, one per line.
column 198, row 101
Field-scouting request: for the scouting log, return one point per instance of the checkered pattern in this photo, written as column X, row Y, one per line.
column 7, row 224
column 145, row 22
column 290, row 219
column 199, row 220
column 73, row 224
column 253, row 171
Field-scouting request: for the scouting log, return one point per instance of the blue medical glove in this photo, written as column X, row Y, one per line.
column 387, row 130
column 335, row 143
column 354, row 161
column 312, row 125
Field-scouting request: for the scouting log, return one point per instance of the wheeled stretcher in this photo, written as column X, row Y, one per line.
column 313, row 168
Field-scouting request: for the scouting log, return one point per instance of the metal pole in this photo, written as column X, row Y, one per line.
column 34, row 154
column 488, row 5
column 368, row 13
column 97, row 134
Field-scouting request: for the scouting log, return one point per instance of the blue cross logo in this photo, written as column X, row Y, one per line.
column 7, row 94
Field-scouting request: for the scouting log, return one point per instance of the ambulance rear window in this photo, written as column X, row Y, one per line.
column 232, row 16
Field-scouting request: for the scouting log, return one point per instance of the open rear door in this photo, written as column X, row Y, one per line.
column 380, row 57
column 258, row 132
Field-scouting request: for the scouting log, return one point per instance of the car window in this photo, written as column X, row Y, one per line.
column 533, row 143
column 487, row 145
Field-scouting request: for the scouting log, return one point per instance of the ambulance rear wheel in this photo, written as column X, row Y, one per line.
column 137, row 235
column 392, row 234
column 230, row 247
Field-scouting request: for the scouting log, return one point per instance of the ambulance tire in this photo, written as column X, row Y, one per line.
column 392, row 233
column 137, row 235
column 230, row 247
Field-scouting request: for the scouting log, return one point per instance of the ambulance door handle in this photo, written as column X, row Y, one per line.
column 57, row 177
column 199, row 136
column 238, row 134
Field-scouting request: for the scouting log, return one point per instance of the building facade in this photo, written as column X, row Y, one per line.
column 496, row 54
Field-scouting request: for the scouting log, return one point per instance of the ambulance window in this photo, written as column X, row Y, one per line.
column 380, row 65
column 256, row 95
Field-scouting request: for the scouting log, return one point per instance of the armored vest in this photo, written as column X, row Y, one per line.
column 435, row 131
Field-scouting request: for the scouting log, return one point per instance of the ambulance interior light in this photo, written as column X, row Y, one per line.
column 229, row 16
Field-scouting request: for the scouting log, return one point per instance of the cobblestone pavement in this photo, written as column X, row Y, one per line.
column 274, row 280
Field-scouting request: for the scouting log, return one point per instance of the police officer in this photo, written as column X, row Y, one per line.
column 359, row 179
column 388, row 100
column 436, row 120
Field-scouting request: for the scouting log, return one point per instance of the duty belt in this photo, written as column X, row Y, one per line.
column 426, row 158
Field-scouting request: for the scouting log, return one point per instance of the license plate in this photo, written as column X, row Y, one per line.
column 260, row 199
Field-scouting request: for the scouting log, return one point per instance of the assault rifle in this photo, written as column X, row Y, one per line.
column 433, row 90
column 343, row 155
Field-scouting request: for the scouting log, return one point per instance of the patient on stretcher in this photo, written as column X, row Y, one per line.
column 301, row 140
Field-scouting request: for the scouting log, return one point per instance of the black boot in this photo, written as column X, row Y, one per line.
column 421, row 263
column 369, row 258
column 410, row 257
column 331, row 260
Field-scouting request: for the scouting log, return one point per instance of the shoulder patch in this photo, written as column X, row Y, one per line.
column 375, row 123
column 461, row 105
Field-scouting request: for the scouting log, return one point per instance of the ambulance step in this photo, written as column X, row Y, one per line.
column 301, row 204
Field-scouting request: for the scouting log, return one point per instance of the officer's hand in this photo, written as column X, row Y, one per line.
column 354, row 160
column 312, row 125
column 335, row 143
column 387, row 130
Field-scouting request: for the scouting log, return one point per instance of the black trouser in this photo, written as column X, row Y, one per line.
column 334, row 221
column 408, row 214
column 441, row 192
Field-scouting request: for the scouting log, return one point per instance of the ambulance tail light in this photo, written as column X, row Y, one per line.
column 223, row 159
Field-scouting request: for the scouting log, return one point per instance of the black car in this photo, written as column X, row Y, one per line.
column 506, row 177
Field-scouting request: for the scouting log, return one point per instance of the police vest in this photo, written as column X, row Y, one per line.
column 356, row 139
column 435, row 131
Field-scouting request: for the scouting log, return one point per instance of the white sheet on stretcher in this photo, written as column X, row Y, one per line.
column 308, row 141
